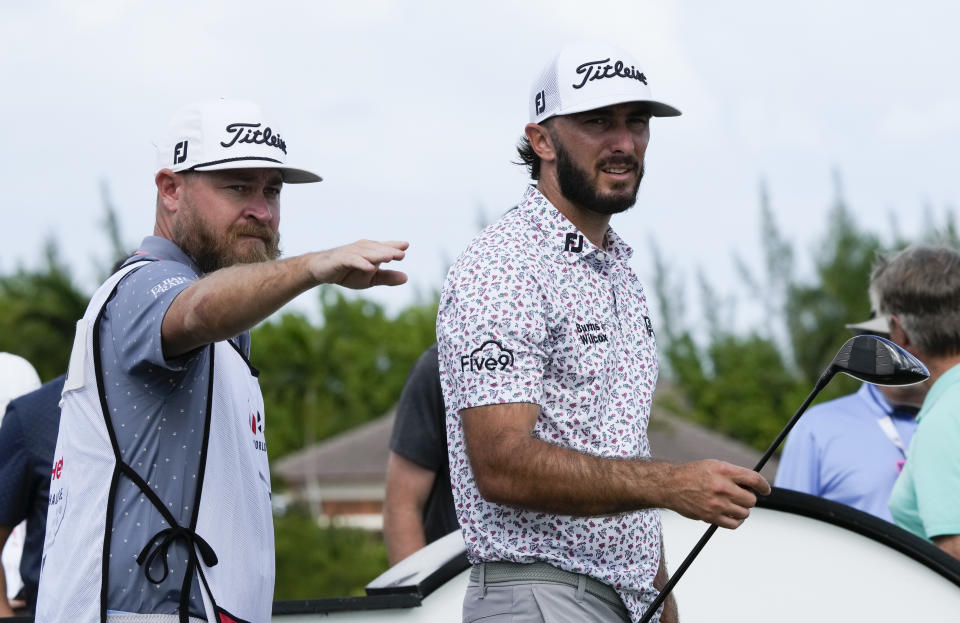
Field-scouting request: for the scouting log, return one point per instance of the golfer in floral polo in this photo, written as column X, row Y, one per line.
column 548, row 365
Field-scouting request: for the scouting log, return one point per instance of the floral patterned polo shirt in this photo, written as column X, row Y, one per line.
column 533, row 312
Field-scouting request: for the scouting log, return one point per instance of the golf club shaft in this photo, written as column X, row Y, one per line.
column 821, row 383
column 665, row 591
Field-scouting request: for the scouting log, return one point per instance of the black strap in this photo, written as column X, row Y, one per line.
column 253, row 371
column 159, row 543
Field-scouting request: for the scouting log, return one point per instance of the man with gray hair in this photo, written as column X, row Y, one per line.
column 919, row 290
column 851, row 449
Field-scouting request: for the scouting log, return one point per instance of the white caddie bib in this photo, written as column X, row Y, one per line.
column 231, row 530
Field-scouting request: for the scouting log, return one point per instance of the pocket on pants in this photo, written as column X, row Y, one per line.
column 494, row 607
column 559, row 604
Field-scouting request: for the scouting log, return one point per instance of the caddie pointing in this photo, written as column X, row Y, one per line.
column 160, row 504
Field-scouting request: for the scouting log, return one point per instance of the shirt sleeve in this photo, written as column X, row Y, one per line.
column 492, row 332
column 418, row 432
column 14, row 470
column 936, row 473
column 799, row 468
column 135, row 314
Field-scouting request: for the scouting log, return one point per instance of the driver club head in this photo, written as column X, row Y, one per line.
column 878, row 361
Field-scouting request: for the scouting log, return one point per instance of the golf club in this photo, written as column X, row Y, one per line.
column 867, row 358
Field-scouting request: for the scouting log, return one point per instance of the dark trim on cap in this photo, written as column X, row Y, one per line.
column 196, row 167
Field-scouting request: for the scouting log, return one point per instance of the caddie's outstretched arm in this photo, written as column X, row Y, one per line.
column 234, row 299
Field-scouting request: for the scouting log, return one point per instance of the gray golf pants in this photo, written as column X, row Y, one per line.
column 537, row 601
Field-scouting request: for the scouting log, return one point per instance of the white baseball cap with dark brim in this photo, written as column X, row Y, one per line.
column 215, row 135
column 585, row 76
column 876, row 323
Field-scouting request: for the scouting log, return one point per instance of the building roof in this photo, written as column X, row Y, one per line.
column 360, row 454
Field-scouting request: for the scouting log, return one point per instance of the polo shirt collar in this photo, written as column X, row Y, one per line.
column 164, row 249
column 563, row 237
column 947, row 380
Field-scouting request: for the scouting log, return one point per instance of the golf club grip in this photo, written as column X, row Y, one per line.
column 665, row 591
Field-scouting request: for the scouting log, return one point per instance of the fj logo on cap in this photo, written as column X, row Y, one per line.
column 180, row 152
column 597, row 70
column 573, row 243
column 541, row 102
column 250, row 133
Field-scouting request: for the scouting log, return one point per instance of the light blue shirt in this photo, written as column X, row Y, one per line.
column 839, row 451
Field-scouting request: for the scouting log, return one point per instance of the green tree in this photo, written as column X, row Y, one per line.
column 317, row 562
column 816, row 312
column 320, row 381
column 748, row 384
column 39, row 310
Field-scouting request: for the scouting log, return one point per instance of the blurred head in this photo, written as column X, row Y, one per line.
column 918, row 289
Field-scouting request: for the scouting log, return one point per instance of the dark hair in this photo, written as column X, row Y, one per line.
column 921, row 286
column 528, row 158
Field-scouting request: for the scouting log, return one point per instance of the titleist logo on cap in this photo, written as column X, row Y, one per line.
column 597, row 70
column 250, row 133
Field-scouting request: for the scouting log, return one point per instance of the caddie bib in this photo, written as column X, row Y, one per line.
column 230, row 533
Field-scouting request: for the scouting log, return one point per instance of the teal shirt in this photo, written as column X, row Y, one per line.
column 926, row 497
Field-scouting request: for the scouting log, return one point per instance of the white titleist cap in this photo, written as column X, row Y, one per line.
column 875, row 323
column 585, row 76
column 226, row 134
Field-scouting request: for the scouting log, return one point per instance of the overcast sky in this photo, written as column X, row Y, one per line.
column 410, row 111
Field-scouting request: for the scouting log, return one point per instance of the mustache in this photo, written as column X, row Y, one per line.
column 259, row 231
column 621, row 160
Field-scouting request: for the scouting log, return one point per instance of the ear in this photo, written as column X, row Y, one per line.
column 169, row 189
column 540, row 141
column 899, row 336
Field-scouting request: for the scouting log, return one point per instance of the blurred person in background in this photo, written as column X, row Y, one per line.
column 418, row 508
column 17, row 377
column 28, row 436
column 919, row 292
column 851, row 449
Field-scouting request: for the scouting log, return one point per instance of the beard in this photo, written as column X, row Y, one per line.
column 576, row 186
column 194, row 235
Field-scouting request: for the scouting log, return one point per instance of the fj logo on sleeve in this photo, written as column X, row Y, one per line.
column 648, row 324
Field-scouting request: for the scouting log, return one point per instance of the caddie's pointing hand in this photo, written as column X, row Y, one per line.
column 357, row 265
